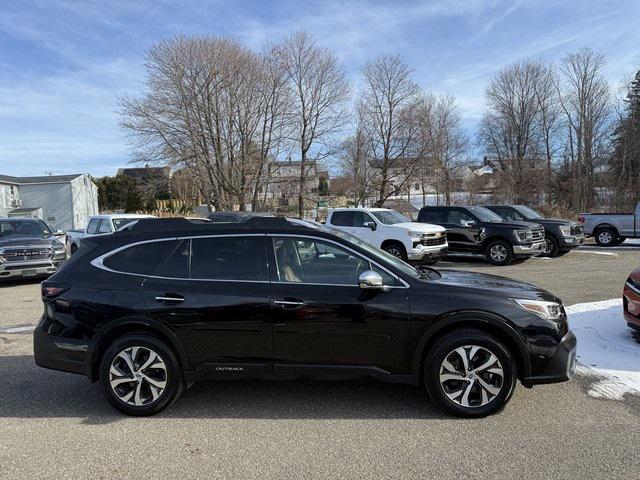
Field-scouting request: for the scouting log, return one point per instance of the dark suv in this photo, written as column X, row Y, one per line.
column 478, row 230
column 149, row 311
column 560, row 235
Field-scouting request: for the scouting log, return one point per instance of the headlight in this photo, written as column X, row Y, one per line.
column 566, row 230
column 523, row 235
column 546, row 310
column 417, row 236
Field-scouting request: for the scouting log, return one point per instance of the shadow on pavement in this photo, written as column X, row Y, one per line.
column 23, row 281
column 29, row 391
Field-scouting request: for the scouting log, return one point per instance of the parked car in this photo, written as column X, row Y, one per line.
column 560, row 235
column 100, row 225
column 235, row 217
column 29, row 248
column 149, row 311
column 392, row 232
column 610, row 229
column 478, row 230
column 631, row 300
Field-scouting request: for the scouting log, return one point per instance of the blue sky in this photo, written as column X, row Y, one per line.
column 63, row 63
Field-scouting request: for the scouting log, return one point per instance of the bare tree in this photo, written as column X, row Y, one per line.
column 319, row 91
column 390, row 118
column 354, row 164
column 585, row 100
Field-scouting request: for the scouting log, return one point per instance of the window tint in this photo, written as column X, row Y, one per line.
column 342, row 219
column 458, row 217
column 143, row 258
column 177, row 266
column 359, row 219
column 93, row 226
column 229, row 258
column 431, row 216
column 104, row 227
column 507, row 213
column 302, row 260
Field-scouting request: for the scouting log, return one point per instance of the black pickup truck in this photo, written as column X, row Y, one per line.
column 560, row 235
column 472, row 229
column 28, row 248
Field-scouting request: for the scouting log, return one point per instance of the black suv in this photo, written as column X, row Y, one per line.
column 560, row 235
column 149, row 311
column 480, row 231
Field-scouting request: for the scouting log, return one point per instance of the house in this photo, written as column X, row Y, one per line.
column 63, row 201
column 284, row 180
column 404, row 175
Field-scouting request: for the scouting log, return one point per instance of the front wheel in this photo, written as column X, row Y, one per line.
column 140, row 375
column 552, row 247
column 499, row 253
column 397, row 250
column 470, row 373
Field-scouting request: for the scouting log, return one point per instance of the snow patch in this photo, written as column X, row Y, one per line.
column 29, row 328
column 607, row 349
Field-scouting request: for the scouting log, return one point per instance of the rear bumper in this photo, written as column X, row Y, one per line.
column 529, row 249
column 59, row 353
column 561, row 367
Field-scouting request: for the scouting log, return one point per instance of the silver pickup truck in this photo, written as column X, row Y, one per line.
column 611, row 228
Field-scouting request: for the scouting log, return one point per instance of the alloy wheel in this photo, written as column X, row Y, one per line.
column 548, row 246
column 498, row 253
column 605, row 238
column 471, row 376
column 395, row 252
column 138, row 375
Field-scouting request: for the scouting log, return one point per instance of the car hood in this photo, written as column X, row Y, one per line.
column 419, row 227
column 555, row 221
column 25, row 241
column 517, row 224
column 503, row 286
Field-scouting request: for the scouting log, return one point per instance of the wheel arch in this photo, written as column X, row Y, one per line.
column 493, row 238
column 484, row 321
column 601, row 226
column 130, row 325
column 390, row 241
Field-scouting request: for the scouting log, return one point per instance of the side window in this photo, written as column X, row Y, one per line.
column 304, row 260
column 142, row 259
column 229, row 258
column 92, row 228
column 506, row 213
column 105, row 226
column 342, row 219
column 177, row 266
column 360, row 218
column 458, row 217
column 431, row 216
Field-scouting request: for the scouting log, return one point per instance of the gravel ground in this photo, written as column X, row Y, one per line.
column 56, row 425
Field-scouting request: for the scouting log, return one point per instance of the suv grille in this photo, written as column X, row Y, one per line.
column 431, row 239
column 26, row 254
column 577, row 229
column 537, row 234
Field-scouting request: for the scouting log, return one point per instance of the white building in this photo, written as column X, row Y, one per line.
column 63, row 201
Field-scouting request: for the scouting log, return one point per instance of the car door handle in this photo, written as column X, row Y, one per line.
column 169, row 298
column 289, row 303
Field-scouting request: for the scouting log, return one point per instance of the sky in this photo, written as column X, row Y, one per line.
column 63, row 64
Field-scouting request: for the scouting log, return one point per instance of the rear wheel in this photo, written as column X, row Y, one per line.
column 140, row 375
column 606, row 237
column 499, row 252
column 470, row 373
column 396, row 249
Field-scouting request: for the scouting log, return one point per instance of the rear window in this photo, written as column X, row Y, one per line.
column 142, row 259
column 342, row 219
column 430, row 216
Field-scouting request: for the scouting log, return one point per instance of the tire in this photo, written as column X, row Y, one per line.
column 606, row 237
column 499, row 253
column 136, row 397
column 397, row 250
column 73, row 249
column 552, row 247
column 469, row 397
column 619, row 240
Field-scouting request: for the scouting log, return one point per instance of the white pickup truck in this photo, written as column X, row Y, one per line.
column 100, row 225
column 391, row 231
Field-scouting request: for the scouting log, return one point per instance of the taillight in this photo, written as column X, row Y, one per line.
column 581, row 218
column 53, row 289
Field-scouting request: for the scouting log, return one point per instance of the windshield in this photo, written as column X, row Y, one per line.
column 390, row 217
column 485, row 215
column 527, row 212
column 24, row 228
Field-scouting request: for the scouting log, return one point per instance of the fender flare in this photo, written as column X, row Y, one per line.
column 469, row 319
column 144, row 324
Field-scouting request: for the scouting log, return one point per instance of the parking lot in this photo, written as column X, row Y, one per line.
column 56, row 425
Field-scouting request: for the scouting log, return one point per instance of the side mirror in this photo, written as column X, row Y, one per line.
column 59, row 233
column 371, row 225
column 468, row 223
column 370, row 280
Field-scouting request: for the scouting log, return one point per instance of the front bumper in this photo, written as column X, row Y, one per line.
column 59, row 353
column 528, row 249
column 422, row 252
column 572, row 241
column 561, row 366
column 27, row 269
